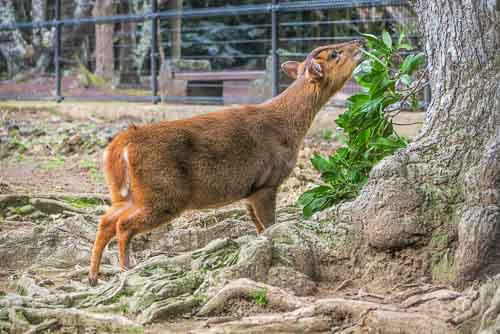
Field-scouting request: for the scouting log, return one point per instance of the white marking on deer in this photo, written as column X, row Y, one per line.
column 126, row 184
column 105, row 155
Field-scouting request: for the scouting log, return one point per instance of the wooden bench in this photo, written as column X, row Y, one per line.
column 233, row 84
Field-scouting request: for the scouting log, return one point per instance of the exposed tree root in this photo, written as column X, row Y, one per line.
column 44, row 326
column 273, row 271
column 21, row 317
column 327, row 315
column 169, row 309
column 244, row 288
column 50, row 201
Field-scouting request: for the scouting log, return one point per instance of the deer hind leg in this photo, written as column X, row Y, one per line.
column 253, row 216
column 263, row 204
column 105, row 232
column 135, row 220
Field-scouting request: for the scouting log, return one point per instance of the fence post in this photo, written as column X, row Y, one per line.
column 154, row 50
column 274, row 47
column 57, row 50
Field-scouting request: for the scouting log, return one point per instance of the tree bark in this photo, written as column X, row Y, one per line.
column 128, row 73
column 104, row 40
column 444, row 187
column 76, row 39
column 12, row 46
column 175, row 25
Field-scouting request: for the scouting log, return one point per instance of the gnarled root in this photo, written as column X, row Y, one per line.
column 244, row 287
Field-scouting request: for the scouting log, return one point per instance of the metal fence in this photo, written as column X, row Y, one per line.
column 211, row 54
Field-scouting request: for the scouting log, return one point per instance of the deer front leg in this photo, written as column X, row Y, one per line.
column 263, row 203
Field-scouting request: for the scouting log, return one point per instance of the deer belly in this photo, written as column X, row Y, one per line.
column 219, row 187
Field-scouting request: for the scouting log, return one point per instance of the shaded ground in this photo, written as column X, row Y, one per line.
column 206, row 273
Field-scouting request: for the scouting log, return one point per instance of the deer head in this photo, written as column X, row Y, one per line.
column 327, row 66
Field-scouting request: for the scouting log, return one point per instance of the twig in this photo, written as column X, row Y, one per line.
column 369, row 269
column 403, row 124
column 342, row 285
column 414, row 90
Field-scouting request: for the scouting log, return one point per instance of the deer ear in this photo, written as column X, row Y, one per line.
column 291, row 69
column 314, row 71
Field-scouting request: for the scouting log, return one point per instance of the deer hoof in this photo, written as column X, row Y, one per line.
column 124, row 269
column 92, row 280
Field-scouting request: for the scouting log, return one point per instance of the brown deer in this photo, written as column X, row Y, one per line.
column 156, row 171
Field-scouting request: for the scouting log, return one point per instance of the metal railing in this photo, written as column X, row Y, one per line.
column 275, row 9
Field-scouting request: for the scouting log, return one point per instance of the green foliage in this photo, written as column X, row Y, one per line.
column 91, row 167
column 259, row 297
column 83, row 202
column 54, row 163
column 116, row 298
column 327, row 134
column 386, row 79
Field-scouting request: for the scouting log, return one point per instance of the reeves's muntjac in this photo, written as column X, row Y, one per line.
column 156, row 171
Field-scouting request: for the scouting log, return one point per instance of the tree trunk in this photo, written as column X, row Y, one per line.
column 12, row 46
column 175, row 25
column 42, row 38
column 104, row 40
column 444, row 187
column 75, row 39
column 128, row 73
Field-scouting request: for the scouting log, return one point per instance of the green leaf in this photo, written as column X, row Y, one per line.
column 406, row 79
column 314, row 200
column 362, row 137
column 372, row 105
column 374, row 57
column 402, row 36
column 387, row 143
column 376, row 44
column 357, row 101
column 386, row 37
column 405, row 46
column 411, row 63
column 313, row 193
column 368, row 134
column 320, row 163
column 382, row 87
column 314, row 206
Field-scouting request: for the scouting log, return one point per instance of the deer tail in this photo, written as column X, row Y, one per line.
column 116, row 165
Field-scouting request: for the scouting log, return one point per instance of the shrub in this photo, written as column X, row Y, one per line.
column 388, row 85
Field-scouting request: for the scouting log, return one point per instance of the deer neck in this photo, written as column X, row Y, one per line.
column 298, row 105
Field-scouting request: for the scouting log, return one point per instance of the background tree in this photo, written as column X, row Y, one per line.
column 175, row 25
column 12, row 46
column 104, row 40
column 447, row 181
column 127, row 42
column 78, row 39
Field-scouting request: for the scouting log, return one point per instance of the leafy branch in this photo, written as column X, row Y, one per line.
column 387, row 81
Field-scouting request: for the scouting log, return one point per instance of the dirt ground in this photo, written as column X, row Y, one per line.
column 48, row 148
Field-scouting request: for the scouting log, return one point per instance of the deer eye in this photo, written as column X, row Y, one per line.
column 334, row 54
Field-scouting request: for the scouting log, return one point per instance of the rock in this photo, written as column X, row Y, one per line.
column 295, row 248
column 194, row 237
column 291, row 279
